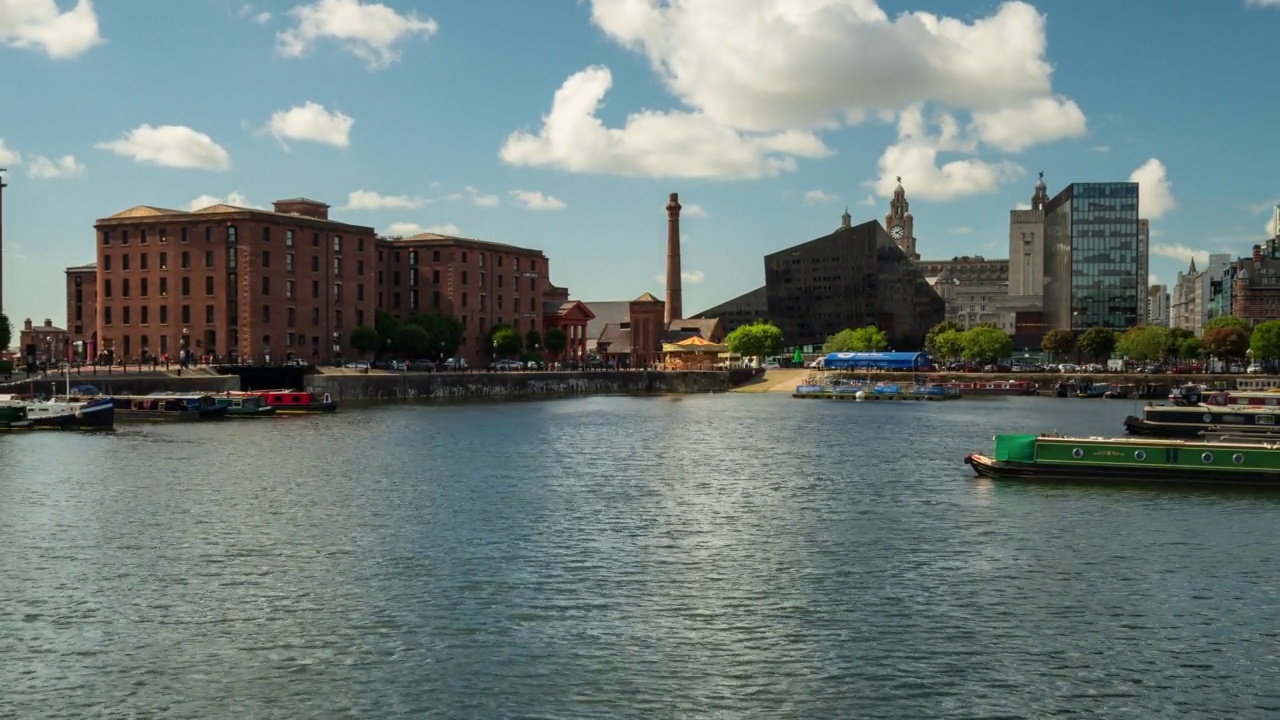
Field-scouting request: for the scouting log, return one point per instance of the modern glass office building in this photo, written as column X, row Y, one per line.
column 1095, row 257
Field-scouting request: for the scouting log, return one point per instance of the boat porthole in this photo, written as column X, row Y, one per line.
column 1207, row 457
column 1077, row 453
column 1237, row 458
column 1140, row 455
column 1208, row 417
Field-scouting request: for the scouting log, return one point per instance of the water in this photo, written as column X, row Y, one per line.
column 728, row 555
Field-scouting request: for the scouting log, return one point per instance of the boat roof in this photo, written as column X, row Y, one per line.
column 1160, row 442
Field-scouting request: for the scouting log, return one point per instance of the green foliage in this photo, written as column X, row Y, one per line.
column 1058, row 342
column 1265, row 341
column 6, row 332
column 533, row 341
column 414, row 341
column 864, row 339
column 1097, row 342
column 759, row 339
column 1189, row 348
column 930, row 338
column 948, row 345
column 504, row 340
column 388, row 328
column 443, row 331
column 556, row 340
column 986, row 343
column 1227, row 321
column 1226, row 341
column 1144, row 343
column 365, row 339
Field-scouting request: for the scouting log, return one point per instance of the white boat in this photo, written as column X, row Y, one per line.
column 68, row 414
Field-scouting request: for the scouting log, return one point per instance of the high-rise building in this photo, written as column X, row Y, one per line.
column 1026, row 248
column 1158, row 305
column 1094, row 270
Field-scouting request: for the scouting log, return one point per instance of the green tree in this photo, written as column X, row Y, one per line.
column 1265, row 341
column 1177, row 336
column 864, row 339
column 365, row 339
column 1227, row 321
column 556, row 340
column 504, row 340
column 949, row 345
column 840, row 342
column 1058, row 342
column 759, row 339
column 1144, row 343
column 1226, row 341
column 388, row 328
column 532, row 340
column 1097, row 342
column 1189, row 348
column 445, row 332
column 6, row 332
column 986, row 343
column 414, row 340
column 930, row 338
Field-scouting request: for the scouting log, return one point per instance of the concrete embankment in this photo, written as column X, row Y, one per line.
column 786, row 379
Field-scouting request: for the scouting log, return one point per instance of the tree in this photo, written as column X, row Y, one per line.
column 840, row 342
column 1265, row 341
column 1189, row 348
column 388, row 328
column 445, row 331
column 1227, row 321
column 6, row 332
column 1058, row 342
column 415, row 341
column 1177, row 336
column 1226, row 341
column 1144, row 343
column 986, row 343
column 930, row 338
column 864, row 339
column 1097, row 342
column 532, row 340
column 759, row 339
column 504, row 340
column 556, row 340
column 949, row 345
column 365, row 339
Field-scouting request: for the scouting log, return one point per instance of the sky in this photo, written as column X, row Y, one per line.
column 563, row 125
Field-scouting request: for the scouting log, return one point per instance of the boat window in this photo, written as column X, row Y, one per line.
column 1207, row 457
column 1265, row 420
column 1140, row 455
column 1077, row 453
column 1237, row 458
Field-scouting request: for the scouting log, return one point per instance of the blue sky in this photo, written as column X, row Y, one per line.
column 563, row 125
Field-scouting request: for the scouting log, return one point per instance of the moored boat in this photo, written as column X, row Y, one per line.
column 163, row 406
column 294, row 402
column 1048, row 457
column 1174, row 421
column 986, row 387
column 14, row 417
column 66, row 413
column 246, row 406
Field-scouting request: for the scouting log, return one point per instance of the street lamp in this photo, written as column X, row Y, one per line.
column 337, row 348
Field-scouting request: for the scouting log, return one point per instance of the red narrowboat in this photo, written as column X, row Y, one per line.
column 987, row 387
column 295, row 402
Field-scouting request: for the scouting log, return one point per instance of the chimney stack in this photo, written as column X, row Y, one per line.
column 48, row 322
column 675, row 311
column 1257, row 252
column 26, row 325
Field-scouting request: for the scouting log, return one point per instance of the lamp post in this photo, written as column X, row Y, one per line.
column 337, row 348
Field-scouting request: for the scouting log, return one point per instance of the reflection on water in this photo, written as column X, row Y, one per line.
column 603, row 557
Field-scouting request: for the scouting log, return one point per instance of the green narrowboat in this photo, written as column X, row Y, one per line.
column 1242, row 461
column 14, row 417
column 246, row 406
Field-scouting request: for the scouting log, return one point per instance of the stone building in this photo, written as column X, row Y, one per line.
column 1191, row 301
column 44, row 343
column 973, row 289
column 1255, row 291
column 742, row 310
column 230, row 282
column 899, row 222
column 82, row 309
column 1158, row 305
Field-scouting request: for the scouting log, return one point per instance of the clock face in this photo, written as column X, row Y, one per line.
column 896, row 232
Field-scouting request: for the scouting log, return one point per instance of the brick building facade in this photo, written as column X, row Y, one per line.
column 82, row 308
column 45, row 343
column 1255, row 290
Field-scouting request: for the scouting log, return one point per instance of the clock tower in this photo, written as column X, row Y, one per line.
column 900, row 224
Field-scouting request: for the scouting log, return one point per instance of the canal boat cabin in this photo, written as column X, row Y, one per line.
column 295, row 402
column 168, row 407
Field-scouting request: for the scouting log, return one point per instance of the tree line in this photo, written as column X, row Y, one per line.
column 439, row 335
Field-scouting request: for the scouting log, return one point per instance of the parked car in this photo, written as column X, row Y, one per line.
column 422, row 366
column 455, row 364
column 357, row 365
column 1254, row 369
column 506, row 365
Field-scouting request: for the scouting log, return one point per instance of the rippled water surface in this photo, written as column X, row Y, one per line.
column 713, row 555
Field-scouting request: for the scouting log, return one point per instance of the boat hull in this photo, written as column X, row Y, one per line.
column 984, row 466
column 93, row 415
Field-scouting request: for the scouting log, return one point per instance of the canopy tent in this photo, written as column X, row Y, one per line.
column 877, row 360
column 693, row 353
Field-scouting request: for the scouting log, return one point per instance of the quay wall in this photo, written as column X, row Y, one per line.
column 1046, row 381
column 440, row 386
column 121, row 384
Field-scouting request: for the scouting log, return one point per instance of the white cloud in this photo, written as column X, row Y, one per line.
column 962, row 230
column 1155, row 191
column 650, row 143
column 816, row 197
column 235, row 199
column 405, row 229
column 1180, row 252
column 534, row 200
column 480, row 199
column 261, row 18
column 9, row 156
column 311, row 122
column 176, row 146
column 63, row 167
column 914, row 157
column 39, row 23
column 1262, row 3
column 1036, row 121
column 1022, row 206
column 1152, row 279
column 370, row 200
column 1101, row 148
column 1270, row 230
column 867, row 201
column 691, row 277
column 370, row 31
column 691, row 210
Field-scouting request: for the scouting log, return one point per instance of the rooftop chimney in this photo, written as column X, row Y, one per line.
column 1257, row 252
column 674, row 309
column 26, row 324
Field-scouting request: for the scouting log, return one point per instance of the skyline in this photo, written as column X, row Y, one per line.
column 572, row 147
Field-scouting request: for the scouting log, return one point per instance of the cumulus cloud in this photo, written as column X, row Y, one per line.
column 9, row 156
column 175, row 146
column 1262, row 3
column 1177, row 251
column 650, row 143
column 915, row 157
column 39, row 24
column 534, row 200
column 63, row 167
column 371, row 31
column 690, row 277
column 1036, row 121
column 477, row 198
column 311, row 122
column 817, row 197
column 235, row 199
column 1155, row 190
column 370, row 200
column 247, row 11
column 405, row 229
column 691, row 210
column 867, row 201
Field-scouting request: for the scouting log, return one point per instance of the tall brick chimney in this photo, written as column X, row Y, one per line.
column 675, row 310
column 1257, row 253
